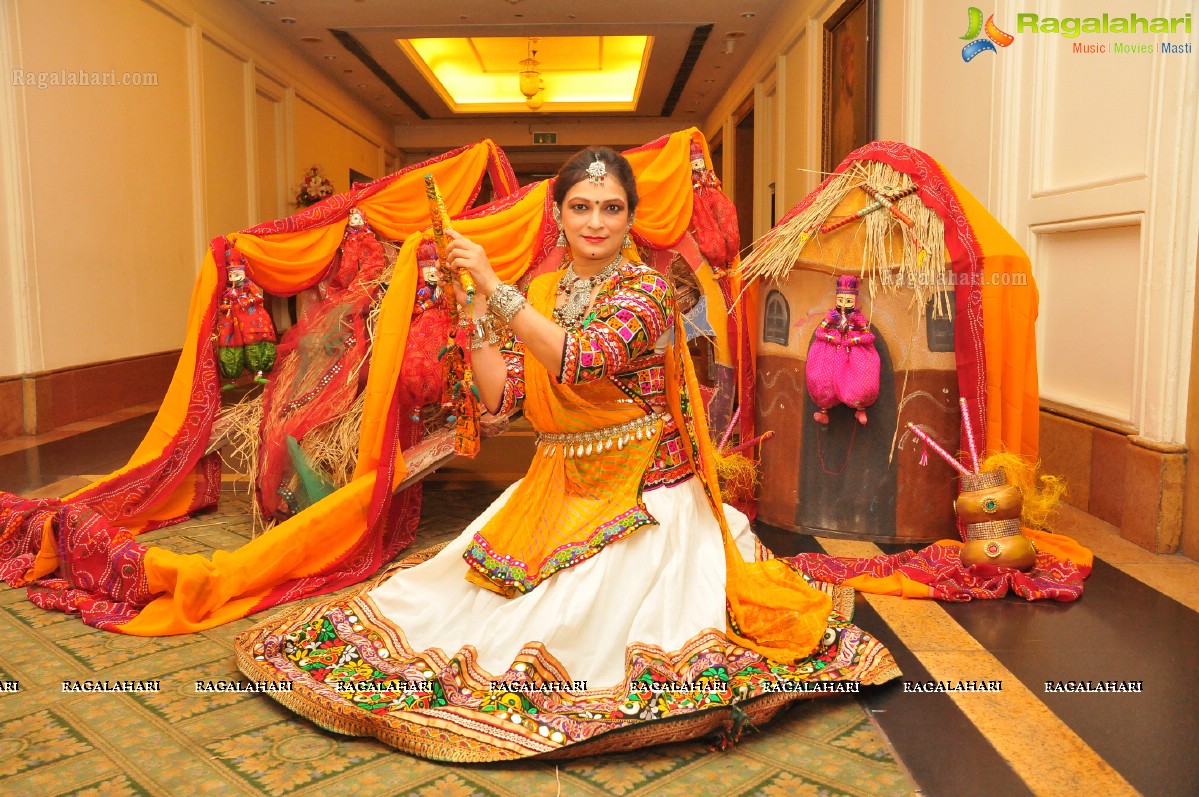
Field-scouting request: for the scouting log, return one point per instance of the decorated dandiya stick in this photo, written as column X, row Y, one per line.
column 729, row 432
column 456, row 359
column 879, row 203
column 945, row 455
column 969, row 426
column 888, row 203
column 441, row 222
column 749, row 443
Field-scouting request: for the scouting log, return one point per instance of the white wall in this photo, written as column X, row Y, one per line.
column 1088, row 160
column 111, row 193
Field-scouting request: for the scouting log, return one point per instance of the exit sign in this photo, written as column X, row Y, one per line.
column 545, row 138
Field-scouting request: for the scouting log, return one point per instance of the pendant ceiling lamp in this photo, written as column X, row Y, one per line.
column 531, row 84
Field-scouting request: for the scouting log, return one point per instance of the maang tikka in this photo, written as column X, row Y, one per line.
column 597, row 170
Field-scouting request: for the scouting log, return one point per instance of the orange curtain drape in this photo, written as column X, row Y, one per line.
column 201, row 592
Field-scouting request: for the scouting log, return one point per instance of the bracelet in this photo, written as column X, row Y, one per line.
column 506, row 301
column 487, row 333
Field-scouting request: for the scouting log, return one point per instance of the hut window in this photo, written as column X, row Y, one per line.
column 778, row 319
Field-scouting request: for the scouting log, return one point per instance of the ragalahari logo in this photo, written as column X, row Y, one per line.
column 994, row 36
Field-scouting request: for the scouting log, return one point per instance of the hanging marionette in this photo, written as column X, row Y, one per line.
column 713, row 216
column 843, row 365
column 245, row 335
column 420, row 372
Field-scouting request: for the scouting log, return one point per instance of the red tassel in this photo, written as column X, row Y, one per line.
column 924, row 456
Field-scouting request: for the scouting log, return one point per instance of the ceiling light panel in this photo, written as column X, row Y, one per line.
column 581, row 73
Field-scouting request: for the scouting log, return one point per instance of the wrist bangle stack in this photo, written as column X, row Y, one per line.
column 506, row 301
column 487, row 333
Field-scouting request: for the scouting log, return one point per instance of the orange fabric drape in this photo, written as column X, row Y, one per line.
column 1009, row 300
column 772, row 610
column 280, row 261
column 897, row 584
column 201, row 592
column 664, row 188
column 173, row 411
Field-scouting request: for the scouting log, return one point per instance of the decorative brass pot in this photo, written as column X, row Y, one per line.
column 990, row 508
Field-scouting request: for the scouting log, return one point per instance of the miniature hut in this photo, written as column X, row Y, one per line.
column 949, row 297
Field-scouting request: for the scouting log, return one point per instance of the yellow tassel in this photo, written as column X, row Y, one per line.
column 737, row 473
column 1042, row 492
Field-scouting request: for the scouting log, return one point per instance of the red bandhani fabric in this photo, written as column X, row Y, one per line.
column 939, row 567
column 319, row 362
column 421, row 380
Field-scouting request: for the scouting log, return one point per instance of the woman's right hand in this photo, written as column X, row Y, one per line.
column 463, row 254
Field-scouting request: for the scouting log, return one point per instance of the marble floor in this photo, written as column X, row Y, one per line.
column 1137, row 621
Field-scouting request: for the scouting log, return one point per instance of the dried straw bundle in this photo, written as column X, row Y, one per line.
column 880, row 248
column 331, row 447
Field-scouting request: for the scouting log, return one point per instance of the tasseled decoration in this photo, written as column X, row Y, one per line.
column 463, row 401
column 737, row 473
column 1042, row 492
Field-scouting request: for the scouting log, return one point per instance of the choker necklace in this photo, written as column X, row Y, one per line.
column 578, row 293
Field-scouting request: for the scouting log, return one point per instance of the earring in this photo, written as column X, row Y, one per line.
column 558, row 221
column 628, row 240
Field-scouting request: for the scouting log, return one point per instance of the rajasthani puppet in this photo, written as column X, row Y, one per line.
column 843, row 365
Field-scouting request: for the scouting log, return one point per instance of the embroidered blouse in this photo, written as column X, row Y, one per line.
column 623, row 338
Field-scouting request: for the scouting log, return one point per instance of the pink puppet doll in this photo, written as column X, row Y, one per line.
column 843, row 365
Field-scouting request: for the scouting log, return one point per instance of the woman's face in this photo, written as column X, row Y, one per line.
column 595, row 219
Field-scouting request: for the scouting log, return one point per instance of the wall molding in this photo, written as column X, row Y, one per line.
column 38, row 402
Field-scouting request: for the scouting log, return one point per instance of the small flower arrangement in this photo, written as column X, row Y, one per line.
column 313, row 188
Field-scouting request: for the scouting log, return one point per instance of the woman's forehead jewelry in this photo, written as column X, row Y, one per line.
column 597, row 170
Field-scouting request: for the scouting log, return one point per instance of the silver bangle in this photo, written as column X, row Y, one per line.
column 506, row 301
column 487, row 333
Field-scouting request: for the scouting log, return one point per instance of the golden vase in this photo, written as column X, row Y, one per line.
column 990, row 508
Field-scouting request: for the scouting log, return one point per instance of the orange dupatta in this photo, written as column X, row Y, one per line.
column 567, row 508
column 772, row 609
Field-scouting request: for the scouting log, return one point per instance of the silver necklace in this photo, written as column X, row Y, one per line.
column 578, row 293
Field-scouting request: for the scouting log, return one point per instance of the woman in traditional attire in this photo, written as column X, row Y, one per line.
column 608, row 600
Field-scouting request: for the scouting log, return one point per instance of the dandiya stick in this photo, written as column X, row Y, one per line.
column 878, row 197
column 441, row 222
column 969, row 432
column 729, row 432
column 945, row 455
column 749, row 443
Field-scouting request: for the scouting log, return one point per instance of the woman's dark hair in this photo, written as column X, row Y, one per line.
column 575, row 170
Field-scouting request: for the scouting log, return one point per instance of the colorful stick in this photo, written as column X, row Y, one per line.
column 878, row 197
column 729, row 432
column 945, row 455
column 441, row 221
column 749, row 443
column 880, row 201
column 969, row 432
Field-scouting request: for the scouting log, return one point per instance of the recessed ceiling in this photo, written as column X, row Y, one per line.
column 481, row 74
column 687, row 65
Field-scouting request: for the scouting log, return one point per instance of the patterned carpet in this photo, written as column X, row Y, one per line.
column 178, row 741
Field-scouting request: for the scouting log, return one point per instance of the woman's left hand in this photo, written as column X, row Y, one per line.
column 463, row 254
